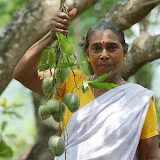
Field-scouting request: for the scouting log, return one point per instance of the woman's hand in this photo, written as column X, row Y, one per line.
column 61, row 22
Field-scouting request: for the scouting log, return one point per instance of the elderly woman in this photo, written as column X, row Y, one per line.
column 119, row 124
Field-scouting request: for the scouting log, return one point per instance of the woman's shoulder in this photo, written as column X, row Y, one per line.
column 134, row 87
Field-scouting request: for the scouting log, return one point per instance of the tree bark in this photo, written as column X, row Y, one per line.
column 45, row 130
column 132, row 11
column 145, row 48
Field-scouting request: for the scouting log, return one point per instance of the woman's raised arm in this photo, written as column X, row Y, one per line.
column 26, row 70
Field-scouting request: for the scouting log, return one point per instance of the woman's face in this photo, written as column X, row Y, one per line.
column 105, row 52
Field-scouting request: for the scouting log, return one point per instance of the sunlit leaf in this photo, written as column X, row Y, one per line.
column 5, row 151
column 103, row 85
column 16, row 115
column 51, row 60
column 11, row 136
column 44, row 67
column 85, row 88
column 15, row 105
column 3, row 103
column 4, row 124
column 65, row 64
column 44, row 57
column 12, row 113
column 101, row 78
column 65, row 45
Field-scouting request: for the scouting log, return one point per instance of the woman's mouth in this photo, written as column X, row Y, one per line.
column 104, row 65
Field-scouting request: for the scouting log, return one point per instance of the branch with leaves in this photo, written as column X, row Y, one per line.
column 9, row 110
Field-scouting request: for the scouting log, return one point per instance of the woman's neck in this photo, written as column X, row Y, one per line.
column 114, row 78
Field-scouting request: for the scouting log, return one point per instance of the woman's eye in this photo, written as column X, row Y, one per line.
column 96, row 49
column 112, row 48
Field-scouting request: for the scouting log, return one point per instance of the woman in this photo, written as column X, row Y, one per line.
column 113, row 124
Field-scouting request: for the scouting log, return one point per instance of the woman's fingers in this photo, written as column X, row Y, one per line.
column 72, row 13
column 61, row 21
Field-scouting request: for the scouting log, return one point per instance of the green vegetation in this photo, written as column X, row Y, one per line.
column 8, row 9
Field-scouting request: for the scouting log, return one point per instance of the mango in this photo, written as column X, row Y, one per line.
column 72, row 101
column 56, row 145
column 43, row 113
column 58, row 116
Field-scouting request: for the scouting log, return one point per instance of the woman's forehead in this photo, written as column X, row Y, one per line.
column 101, row 36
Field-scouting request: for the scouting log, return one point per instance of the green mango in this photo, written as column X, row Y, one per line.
column 56, row 145
column 53, row 106
column 43, row 113
column 62, row 74
column 72, row 101
column 58, row 116
column 48, row 87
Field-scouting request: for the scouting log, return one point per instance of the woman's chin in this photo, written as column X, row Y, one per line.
column 104, row 71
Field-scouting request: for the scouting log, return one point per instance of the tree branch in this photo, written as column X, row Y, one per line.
column 145, row 49
column 127, row 14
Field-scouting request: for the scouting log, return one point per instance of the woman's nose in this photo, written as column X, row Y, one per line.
column 104, row 55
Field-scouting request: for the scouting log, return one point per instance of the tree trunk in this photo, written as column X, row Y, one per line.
column 132, row 11
column 145, row 48
column 45, row 129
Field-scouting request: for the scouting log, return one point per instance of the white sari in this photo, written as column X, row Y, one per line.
column 109, row 127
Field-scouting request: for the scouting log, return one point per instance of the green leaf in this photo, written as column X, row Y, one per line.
column 65, row 45
column 85, row 88
column 11, row 136
column 4, row 124
column 17, row 115
column 65, row 64
column 44, row 57
column 3, row 103
column 51, row 60
column 11, row 113
column 44, row 67
column 5, row 151
column 103, row 85
column 101, row 78
column 58, row 53
column 15, row 105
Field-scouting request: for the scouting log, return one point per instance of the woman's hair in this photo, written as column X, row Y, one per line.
column 104, row 26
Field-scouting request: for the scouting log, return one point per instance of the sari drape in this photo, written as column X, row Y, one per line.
column 109, row 127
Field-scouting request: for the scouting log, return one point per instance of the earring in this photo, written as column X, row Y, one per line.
column 125, row 58
column 88, row 59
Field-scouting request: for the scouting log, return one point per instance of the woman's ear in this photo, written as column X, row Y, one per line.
column 88, row 59
column 125, row 55
column 89, row 65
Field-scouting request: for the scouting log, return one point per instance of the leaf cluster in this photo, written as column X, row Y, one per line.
column 7, row 109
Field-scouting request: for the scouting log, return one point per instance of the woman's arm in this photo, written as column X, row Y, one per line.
column 26, row 70
column 148, row 149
